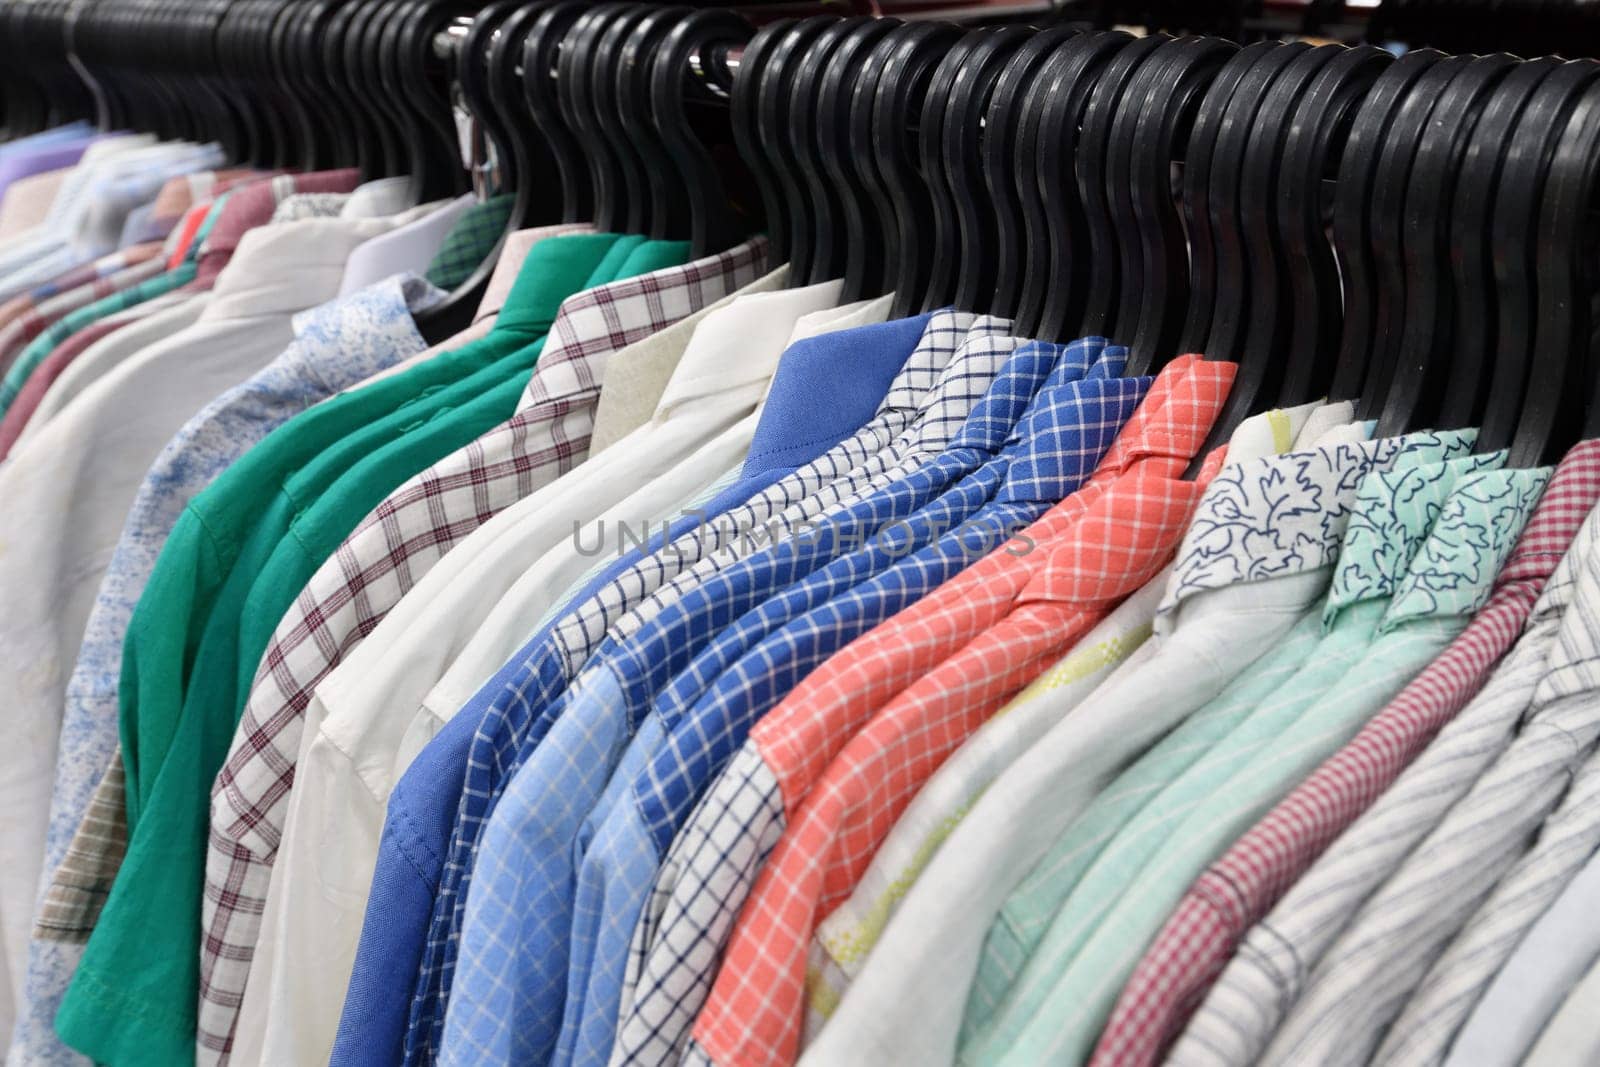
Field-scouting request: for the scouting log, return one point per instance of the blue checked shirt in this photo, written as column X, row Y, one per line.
column 679, row 750
column 654, row 1023
column 794, row 441
column 593, row 721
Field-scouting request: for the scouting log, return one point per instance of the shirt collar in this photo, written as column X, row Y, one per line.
column 992, row 418
column 361, row 332
column 513, row 254
column 1061, row 440
column 1454, row 570
column 598, row 321
column 375, row 199
column 963, row 382
column 1573, row 666
column 1394, row 511
column 742, row 345
column 1270, row 433
column 945, row 331
column 546, row 279
column 1277, row 516
column 1172, row 423
column 826, row 388
column 1573, row 491
column 284, row 269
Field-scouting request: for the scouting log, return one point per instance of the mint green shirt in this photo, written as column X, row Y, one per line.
column 1076, row 882
column 133, row 999
column 1445, row 582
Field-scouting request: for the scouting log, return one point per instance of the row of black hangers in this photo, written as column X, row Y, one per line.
column 1414, row 234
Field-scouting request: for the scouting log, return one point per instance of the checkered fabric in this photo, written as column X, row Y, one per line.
column 383, row 558
column 470, row 241
column 83, row 880
column 756, row 1007
column 573, row 762
column 516, row 721
column 1240, row 888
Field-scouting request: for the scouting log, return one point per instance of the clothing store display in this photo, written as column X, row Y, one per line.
column 637, row 536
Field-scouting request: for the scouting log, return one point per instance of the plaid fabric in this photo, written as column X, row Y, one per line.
column 1240, row 888
column 103, row 267
column 756, row 1007
column 515, row 722
column 470, row 241
column 614, row 694
column 382, row 559
column 83, row 880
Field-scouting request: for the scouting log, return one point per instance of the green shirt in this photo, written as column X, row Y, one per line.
column 133, row 999
column 1444, row 583
column 1047, row 916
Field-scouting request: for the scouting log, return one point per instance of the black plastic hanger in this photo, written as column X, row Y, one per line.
column 1471, row 297
column 945, row 238
column 691, row 115
column 629, row 92
column 830, row 166
column 1153, row 250
column 1266, row 336
column 744, row 113
column 776, row 109
column 342, row 60
column 1386, row 228
column 1353, row 198
column 607, row 177
column 1056, row 234
column 540, row 55
column 1566, row 410
column 599, row 66
column 1087, row 169
column 1004, row 123
column 969, row 278
column 896, row 197
column 529, row 171
column 840, row 43
column 1196, row 198
column 896, row 139
column 1521, row 401
column 1311, row 308
column 1427, row 334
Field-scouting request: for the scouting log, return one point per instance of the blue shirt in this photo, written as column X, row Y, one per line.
column 619, row 868
column 531, row 862
column 409, row 891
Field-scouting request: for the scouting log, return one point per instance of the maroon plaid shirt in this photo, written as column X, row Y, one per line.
column 381, row 560
column 1241, row 888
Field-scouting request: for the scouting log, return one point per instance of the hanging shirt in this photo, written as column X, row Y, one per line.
column 70, row 492
column 335, row 345
column 1079, row 880
column 1412, row 912
column 700, row 725
column 403, row 249
column 1568, row 1039
column 895, row 751
column 135, row 266
column 1241, row 887
column 1032, row 803
column 392, row 548
column 1447, row 582
column 469, row 242
column 155, row 900
column 639, row 666
column 1454, row 990
column 846, row 937
column 1268, row 973
column 407, row 880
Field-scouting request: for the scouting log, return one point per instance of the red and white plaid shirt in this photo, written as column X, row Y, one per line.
column 381, row 560
column 1240, row 889
column 983, row 635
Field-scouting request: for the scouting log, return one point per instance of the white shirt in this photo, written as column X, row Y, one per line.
column 157, row 320
column 846, row 936
column 407, row 248
column 367, row 719
column 68, row 490
column 1570, row 1038
column 1218, row 617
